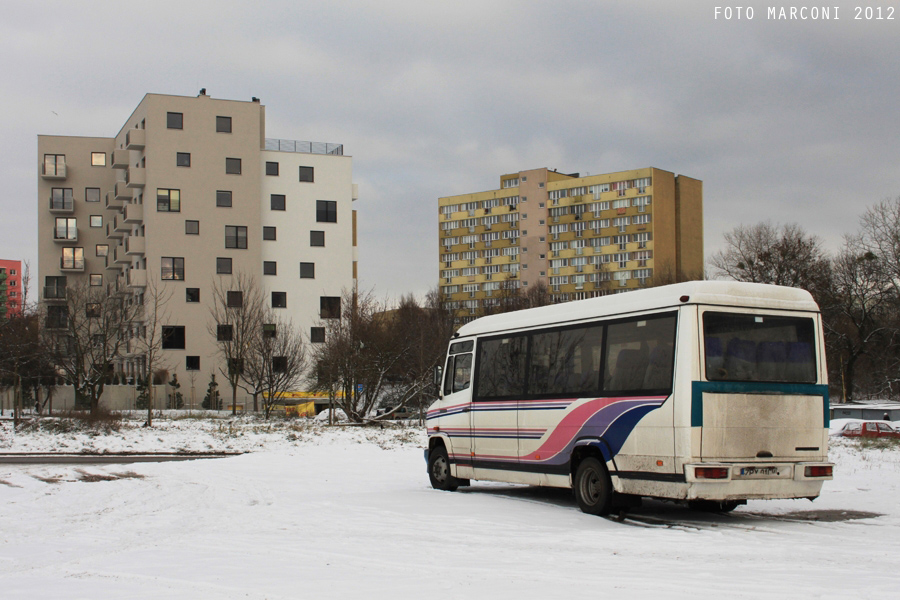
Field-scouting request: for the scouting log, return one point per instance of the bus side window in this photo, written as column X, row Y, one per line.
column 462, row 372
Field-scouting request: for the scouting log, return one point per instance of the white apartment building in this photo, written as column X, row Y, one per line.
column 190, row 192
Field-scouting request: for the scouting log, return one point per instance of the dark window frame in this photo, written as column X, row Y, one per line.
column 317, row 335
column 173, row 337
column 237, row 240
column 329, row 307
column 164, row 200
column 270, row 233
column 307, row 174
column 182, row 159
column 89, row 192
column 192, row 295
column 279, row 299
column 234, row 299
column 326, row 211
column 191, row 227
column 223, row 124
column 272, row 168
column 221, row 262
column 174, row 120
column 233, row 166
column 191, row 363
column 176, row 267
column 224, row 198
column 277, row 202
column 224, row 333
column 270, row 267
column 314, row 239
column 307, row 270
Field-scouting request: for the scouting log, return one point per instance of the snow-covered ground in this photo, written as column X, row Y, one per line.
column 317, row 512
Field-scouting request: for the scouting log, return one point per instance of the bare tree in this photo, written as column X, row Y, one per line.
column 367, row 357
column 765, row 253
column 86, row 334
column 276, row 362
column 859, row 311
column 146, row 334
column 880, row 236
column 237, row 318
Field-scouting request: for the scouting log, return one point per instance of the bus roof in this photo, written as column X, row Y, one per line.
column 721, row 293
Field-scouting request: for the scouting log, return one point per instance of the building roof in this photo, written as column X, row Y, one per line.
column 722, row 293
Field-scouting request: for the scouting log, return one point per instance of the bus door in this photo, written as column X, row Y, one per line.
column 457, row 394
column 494, row 417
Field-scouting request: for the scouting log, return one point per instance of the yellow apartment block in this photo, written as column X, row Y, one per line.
column 580, row 236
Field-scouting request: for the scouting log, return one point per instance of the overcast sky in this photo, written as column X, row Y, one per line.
column 786, row 120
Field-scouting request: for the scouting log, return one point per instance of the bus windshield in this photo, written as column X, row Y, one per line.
column 747, row 347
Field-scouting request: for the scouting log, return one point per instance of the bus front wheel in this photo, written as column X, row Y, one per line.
column 593, row 487
column 439, row 470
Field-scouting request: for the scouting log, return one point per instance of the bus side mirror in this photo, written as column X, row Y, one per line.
column 438, row 372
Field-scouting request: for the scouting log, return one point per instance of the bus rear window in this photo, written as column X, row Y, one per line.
column 742, row 347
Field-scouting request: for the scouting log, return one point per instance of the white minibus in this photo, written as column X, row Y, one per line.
column 708, row 392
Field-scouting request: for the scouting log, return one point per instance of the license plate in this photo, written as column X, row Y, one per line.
column 759, row 471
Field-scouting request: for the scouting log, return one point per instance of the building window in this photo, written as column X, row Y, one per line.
column 234, row 299
column 168, row 200
column 223, row 266
column 61, row 199
column 223, row 198
column 326, row 211
column 66, row 229
column 235, row 366
column 55, row 165
column 306, row 174
column 268, row 233
column 236, row 236
column 173, row 337
column 271, row 168
column 92, row 194
column 269, row 330
column 330, row 307
column 192, row 227
column 96, row 280
column 55, row 287
column 102, row 250
column 192, row 295
column 279, row 364
column 182, row 159
column 223, row 124
column 307, row 270
column 224, row 333
column 72, row 258
column 270, row 267
column 316, row 238
column 192, row 363
column 174, row 120
column 233, row 166
column 172, row 268
column 277, row 201
column 92, row 310
column 279, row 299
column 317, row 335
column 98, row 159
column 96, row 220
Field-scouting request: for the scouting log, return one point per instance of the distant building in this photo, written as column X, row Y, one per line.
column 580, row 236
column 189, row 192
column 11, row 290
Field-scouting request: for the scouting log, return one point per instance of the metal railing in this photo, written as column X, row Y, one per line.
column 304, row 147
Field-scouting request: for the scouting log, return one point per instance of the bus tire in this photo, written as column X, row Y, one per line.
column 439, row 470
column 593, row 487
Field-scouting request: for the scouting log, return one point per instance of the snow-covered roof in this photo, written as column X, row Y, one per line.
column 722, row 293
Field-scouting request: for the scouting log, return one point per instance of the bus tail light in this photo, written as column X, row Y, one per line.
column 711, row 472
column 818, row 471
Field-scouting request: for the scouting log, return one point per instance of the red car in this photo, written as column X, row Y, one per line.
column 868, row 429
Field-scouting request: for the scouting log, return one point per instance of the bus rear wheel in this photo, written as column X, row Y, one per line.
column 439, row 470
column 593, row 487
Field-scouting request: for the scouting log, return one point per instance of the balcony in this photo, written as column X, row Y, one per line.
column 122, row 191
column 137, row 278
column 71, row 264
column 134, row 213
column 135, row 245
column 121, row 159
column 111, row 264
column 135, row 177
column 62, row 205
column 54, row 294
column 120, row 257
column 112, row 203
column 54, row 167
column 111, row 232
column 65, row 235
column 135, row 139
column 120, row 225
